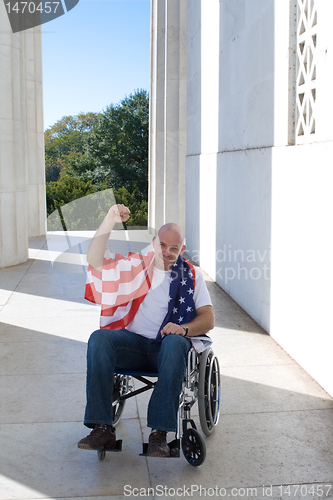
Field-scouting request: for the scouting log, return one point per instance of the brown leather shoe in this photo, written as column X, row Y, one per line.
column 157, row 446
column 101, row 437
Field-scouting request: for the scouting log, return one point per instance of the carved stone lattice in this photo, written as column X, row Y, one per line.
column 306, row 70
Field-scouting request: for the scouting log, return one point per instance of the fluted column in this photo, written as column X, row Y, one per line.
column 17, row 156
column 34, row 132
column 167, row 141
column 13, row 172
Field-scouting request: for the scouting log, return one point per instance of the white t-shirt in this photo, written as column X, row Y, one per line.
column 154, row 307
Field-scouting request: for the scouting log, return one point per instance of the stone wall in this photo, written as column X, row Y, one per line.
column 230, row 133
column 259, row 164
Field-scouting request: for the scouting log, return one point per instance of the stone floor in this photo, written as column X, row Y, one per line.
column 274, row 438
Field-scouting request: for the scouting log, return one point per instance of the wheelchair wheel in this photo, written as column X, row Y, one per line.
column 193, row 446
column 209, row 391
column 101, row 454
column 119, row 388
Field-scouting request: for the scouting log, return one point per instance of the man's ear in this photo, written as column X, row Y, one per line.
column 182, row 250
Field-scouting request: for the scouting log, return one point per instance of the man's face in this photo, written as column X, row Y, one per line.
column 168, row 245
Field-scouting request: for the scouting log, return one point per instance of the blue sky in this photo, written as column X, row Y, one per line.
column 94, row 55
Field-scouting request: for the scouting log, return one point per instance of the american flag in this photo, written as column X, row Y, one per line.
column 120, row 287
column 181, row 308
column 125, row 281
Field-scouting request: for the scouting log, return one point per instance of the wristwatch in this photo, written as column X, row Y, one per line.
column 185, row 328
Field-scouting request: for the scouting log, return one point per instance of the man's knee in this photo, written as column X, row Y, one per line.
column 176, row 344
column 173, row 359
column 109, row 340
column 97, row 337
column 100, row 340
column 100, row 347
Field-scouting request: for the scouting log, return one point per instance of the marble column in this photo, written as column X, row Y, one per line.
column 167, row 141
column 34, row 132
column 18, row 159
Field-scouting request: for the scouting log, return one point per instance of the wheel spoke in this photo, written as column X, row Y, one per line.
column 193, row 447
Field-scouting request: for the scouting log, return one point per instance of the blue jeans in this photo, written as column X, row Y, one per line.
column 108, row 349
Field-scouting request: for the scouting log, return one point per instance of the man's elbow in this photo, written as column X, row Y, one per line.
column 211, row 321
column 208, row 317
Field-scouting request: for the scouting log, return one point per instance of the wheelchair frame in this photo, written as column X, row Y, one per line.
column 201, row 383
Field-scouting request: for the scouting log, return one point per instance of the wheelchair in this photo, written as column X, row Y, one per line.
column 201, row 383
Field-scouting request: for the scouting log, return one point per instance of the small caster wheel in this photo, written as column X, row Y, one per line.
column 194, row 448
column 101, row 454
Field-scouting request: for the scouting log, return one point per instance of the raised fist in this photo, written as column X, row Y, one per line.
column 119, row 213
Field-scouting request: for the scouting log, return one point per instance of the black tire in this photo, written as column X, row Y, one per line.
column 101, row 454
column 194, row 448
column 118, row 390
column 209, row 391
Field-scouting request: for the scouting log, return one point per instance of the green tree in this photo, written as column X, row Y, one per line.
column 137, row 206
column 65, row 140
column 116, row 149
column 65, row 190
column 89, row 153
column 91, row 204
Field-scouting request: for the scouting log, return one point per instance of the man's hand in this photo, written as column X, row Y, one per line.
column 118, row 213
column 201, row 324
column 173, row 329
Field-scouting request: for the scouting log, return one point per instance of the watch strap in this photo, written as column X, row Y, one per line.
column 185, row 328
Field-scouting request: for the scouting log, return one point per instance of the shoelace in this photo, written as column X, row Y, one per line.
column 158, row 437
column 98, row 430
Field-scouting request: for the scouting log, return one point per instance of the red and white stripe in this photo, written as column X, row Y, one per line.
column 120, row 287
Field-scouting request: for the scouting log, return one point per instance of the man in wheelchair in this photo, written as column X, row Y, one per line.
column 152, row 305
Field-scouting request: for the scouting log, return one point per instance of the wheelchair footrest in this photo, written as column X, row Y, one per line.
column 119, row 446
column 173, row 445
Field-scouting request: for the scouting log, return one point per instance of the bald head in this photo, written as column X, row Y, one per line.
column 168, row 245
column 175, row 228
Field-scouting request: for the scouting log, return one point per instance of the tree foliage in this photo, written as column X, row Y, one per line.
column 116, row 149
column 138, row 207
column 89, row 211
column 87, row 153
column 65, row 140
column 65, row 190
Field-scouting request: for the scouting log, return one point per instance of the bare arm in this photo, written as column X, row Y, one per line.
column 202, row 323
column 96, row 250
